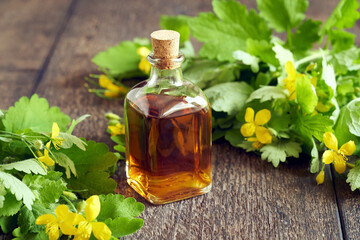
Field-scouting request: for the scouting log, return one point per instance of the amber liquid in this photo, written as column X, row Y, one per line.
column 168, row 144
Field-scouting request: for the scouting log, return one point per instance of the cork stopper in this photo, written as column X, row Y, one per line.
column 165, row 44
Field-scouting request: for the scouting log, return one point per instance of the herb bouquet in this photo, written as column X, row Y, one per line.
column 271, row 96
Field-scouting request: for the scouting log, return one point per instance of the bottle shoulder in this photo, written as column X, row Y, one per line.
column 167, row 99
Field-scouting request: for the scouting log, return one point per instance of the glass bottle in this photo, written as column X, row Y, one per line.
column 168, row 129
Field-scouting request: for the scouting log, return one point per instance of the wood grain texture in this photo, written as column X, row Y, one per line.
column 250, row 199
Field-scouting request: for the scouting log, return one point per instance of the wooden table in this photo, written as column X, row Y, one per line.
column 46, row 48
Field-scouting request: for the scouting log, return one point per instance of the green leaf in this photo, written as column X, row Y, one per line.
column 328, row 75
column 268, row 93
column 344, row 61
column 27, row 166
column 119, row 59
column 177, row 23
column 228, row 30
column 7, row 224
column 228, row 97
column 115, row 206
column 314, row 164
column 18, row 188
column 92, row 183
column 306, row 95
column 234, row 137
column 341, row 40
column 76, row 122
column 282, row 54
column 27, row 218
column 277, row 152
column 247, row 59
column 353, row 177
column 344, row 16
column 306, row 35
column 263, row 50
column 34, row 114
column 10, row 205
column 312, row 125
column 206, row 73
column 65, row 162
column 69, row 140
column 47, row 189
column 282, row 14
column 123, row 226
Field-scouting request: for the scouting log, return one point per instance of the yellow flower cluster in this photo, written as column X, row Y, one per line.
column 255, row 125
column 117, row 129
column 144, row 65
column 335, row 155
column 56, row 141
column 112, row 89
column 66, row 222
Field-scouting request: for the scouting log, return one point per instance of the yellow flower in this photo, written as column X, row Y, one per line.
column 254, row 125
column 112, row 89
column 88, row 225
column 54, row 137
column 117, row 129
column 45, row 158
column 320, row 177
column 256, row 143
column 290, row 80
column 144, row 65
column 63, row 220
column 335, row 155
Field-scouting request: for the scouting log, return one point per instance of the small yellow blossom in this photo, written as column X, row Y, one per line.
column 46, row 158
column 87, row 225
column 254, row 125
column 256, row 143
column 117, row 129
column 144, row 65
column 55, row 139
column 63, row 220
column 335, row 155
column 320, row 177
column 112, row 89
column 290, row 80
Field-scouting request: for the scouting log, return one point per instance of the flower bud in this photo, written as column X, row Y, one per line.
column 70, row 195
column 38, row 144
column 112, row 116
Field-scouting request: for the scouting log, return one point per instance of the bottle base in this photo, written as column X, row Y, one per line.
column 170, row 197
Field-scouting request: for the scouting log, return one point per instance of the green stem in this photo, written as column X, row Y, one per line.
column 69, row 202
column 289, row 38
column 312, row 57
column 350, row 165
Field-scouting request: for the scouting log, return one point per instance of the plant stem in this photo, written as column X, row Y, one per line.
column 350, row 165
column 289, row 38
column 312, row 57
column 69, row 202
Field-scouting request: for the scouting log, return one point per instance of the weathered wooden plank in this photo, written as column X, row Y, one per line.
column 250, row 199
column 28, row 29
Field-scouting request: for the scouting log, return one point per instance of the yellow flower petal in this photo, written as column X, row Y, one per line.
column 52, row 229
column 111, row 94
column 118, row 129
column 45, row 219
column 339, row 164
column 67, row 228
column 262, row 117
column 55, row 130
column 92, row 208
column 248, row 129
column 328, row 156
column 101, row 231
column 348, row 148
column 249, row 115
column 290, row 70
column 84, row 231
column 257, row 145
column 47, row 160
column 263, row 135
column 144, row 66
column 320, row 177
column 104, row 81
column 330, row 141
column 143, row 51
column 61, row 212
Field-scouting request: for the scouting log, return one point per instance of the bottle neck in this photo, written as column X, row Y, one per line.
column 166, row 69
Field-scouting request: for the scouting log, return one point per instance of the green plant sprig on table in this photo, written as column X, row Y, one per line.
column 46, row 170
column 301, row 93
